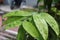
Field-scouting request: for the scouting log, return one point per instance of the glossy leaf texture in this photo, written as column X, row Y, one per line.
column 51, row 21
column 41, row 26
column 21, row 34
column 31, row 29
column 18, row 13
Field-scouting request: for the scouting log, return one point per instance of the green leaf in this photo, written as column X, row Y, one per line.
column 11, row 19
column 58, row 13
column 54, row 9
column 41, row 25
column 39, row 1
column 51, row 21
column 56, row 1
column 17, row 13
column 21, row 34
column 31, row 29
column 12, row 22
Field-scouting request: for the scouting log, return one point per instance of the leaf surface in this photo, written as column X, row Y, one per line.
column 17, row 13
column 31, row 29
column 21, row 34
column 41, row 25
column 51, row 21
